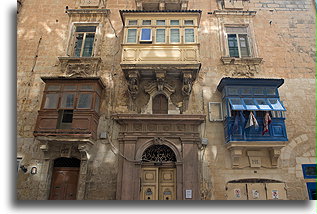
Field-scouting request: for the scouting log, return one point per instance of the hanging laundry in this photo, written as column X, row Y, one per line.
column 252, row 121
column 267, row 121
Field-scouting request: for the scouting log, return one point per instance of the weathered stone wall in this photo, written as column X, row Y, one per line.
column 283, row 35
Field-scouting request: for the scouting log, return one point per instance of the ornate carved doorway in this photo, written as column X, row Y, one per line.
column 158, row 176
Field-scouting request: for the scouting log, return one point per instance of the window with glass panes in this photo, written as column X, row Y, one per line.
column 238, row 42
column 84, row 40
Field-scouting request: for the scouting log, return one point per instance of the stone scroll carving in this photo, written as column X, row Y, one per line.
column 187, row 84
column 80, row 67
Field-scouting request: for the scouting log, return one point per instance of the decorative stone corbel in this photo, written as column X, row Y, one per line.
column 275, row 154
column 133, row 81
column 184, row 5
column 235, row 157
column 187, row 84
column 160, row 78
column 139, row 5
column 162, row 6
column 84, row 150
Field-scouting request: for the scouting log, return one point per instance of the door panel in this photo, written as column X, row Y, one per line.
column 236, row 191
column 64, row 183
column 167, row 185
column 149, row 184
column 256, row 191
column 158, row 184
column 276, row 191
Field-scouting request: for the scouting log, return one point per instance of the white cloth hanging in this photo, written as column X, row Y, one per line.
column 252, row 121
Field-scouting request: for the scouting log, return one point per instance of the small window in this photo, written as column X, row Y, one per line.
column 51, row 101
column 146, row 35
column 189, row 22
column 84, row 41
column 70, row 88
column 146, row 22
column 270, row 91
column 160, row 35
column 238, row 43
column 175, row 36
column 84, row 101
column 215, row 111
column 174, row 22
column 65, row 119
column 86, row 88
column 246, row 91
column 233, row 91
column 131, row 36
column 132, row 22
column 189, row 35
column 309, row 171
column 160, row 22
column 311, row 188
column 53, row 87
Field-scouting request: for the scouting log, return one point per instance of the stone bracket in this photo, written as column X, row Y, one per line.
column 241, row 61
column 236, row 154
column 275, row 153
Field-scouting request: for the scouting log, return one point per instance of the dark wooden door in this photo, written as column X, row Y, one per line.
column 64, row 183
column 160, row 104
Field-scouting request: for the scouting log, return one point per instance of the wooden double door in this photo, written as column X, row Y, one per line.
column 64, row 183
column 158, row 183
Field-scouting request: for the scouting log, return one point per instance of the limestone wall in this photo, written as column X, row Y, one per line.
column 283, row 34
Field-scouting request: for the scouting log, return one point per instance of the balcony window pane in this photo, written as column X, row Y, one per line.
column 133, row 22
column 146, row 22
column 189, row 22
column 236, row 104
column 175, row 35
column 146, row 34
column 51, row 101
column 276, row 105
column 244, row 46
column 160, row 35
column 160, row 22
column 68, row 100
column 131, row 36
column 189, row 35
column 78, row 44
column 263, row 105
column 174, row 22
column 89, row 42
column 84, row 101
column 233, row 45
column 249, row 104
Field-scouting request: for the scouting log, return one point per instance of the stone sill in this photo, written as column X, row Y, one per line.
column 88, row 11
column 73, row 59
column 234, row 12
column 241, row 61
column 122, row 118
column 255, row 144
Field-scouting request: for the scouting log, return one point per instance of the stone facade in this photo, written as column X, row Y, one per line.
column 282, row 41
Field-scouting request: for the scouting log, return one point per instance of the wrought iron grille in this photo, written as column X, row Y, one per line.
column 66, row 162
column 159, row 153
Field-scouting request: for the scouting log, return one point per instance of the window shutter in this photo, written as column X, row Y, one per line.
column 189, row 35
column 160, row 35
